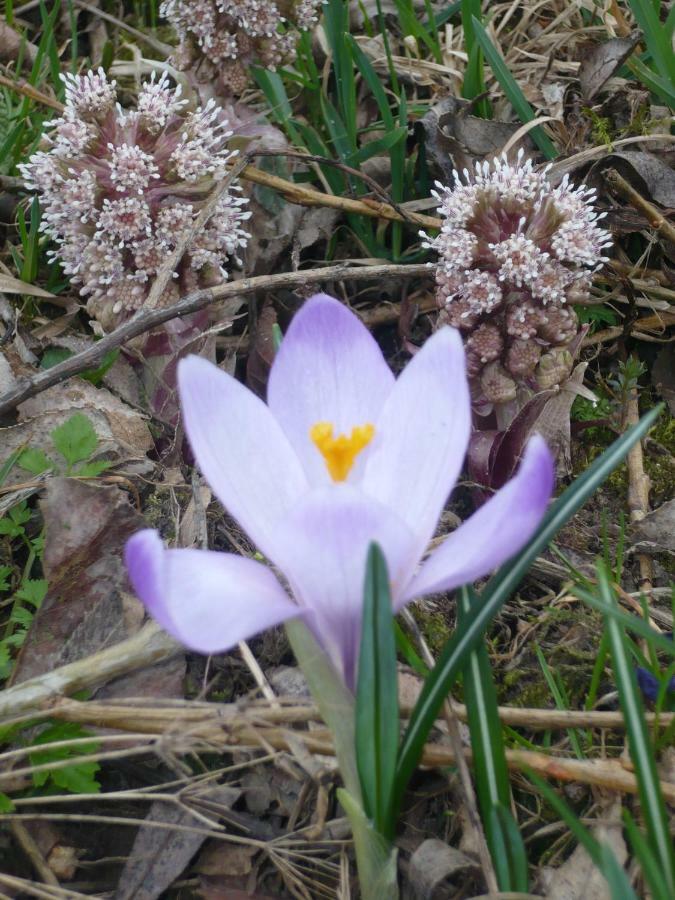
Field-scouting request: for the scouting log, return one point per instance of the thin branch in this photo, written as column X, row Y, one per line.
column 619, row 184
column 147, row 319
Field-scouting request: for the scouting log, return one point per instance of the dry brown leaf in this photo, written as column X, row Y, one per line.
column 160, row 855
column 11, row 285
column 432, row 864
column 648, row 174
column 578, row 878
column 122, row 432
column 218, row 859
column 86, row 528
column 603, row 61
column 658, row 527
column 261, row 352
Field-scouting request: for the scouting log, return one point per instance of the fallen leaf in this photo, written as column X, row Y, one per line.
column 432, row 864
column 578, row 878
column 11, row 285
column 601, row 62
column 663, row 375
column 658, row 527
column 455, row 139
column 648, row 174
column 86, row 528
column 262, row 351
column 122, row 432
column 220, row 858
column 215, row 889
column 160, row 855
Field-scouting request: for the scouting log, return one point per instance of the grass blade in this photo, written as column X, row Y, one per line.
column 649, row 789
column 377, row 716
column 601, row 854
column 489, row 761
column 637, row 626
column 512, row 90
column 656, row 37
column 500, row 587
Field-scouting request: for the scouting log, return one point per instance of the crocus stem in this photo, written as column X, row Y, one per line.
column 335, row 701
column 375, row 858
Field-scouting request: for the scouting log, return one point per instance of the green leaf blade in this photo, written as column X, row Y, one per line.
column 377, row 712
column 500, row 587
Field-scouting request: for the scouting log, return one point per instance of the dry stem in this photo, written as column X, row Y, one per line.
column 147, row 319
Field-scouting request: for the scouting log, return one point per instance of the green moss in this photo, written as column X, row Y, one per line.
column 157, row 510
column 524, row 687
column 434, row 627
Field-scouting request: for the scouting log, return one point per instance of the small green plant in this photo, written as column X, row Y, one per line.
column 60, row 754
column 79, row 778
column 75, row 442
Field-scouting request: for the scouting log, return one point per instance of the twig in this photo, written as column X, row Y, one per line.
column 305, row 196
column 638, row 487
column 147, row 319
column 25, row 840
column 638, row 202
column 22, row 87
column 24, row 886
column 657, row 322
column 348, row 170
column 150, row 645
column 244, row 729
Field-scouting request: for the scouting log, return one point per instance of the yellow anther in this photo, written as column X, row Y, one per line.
column 340, row 452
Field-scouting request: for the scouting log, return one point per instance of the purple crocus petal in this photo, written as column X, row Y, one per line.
column 422, row 435
column 241, row 449
column 207, row 601
column 328, row 369
column 494, row 533
column 326, row 544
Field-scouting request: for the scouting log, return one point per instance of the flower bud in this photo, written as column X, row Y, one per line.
column 496, row 384
column 232, row 36
column 554, row 368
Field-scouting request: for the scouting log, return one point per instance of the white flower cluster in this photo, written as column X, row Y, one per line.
column 232, row 35
column 514, row 254
column 121, row 187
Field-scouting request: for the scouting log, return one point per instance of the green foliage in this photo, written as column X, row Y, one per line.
column 377, row 716
column 75, row 441
column 25, row 592
column 469, row 632
column 659, row 840
column 656, row 68
column 78, row 778
column 55, row 355
column 489, row 761
column 601, row 854
column 512, row 89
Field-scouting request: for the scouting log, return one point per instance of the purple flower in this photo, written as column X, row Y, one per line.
column 342, row 454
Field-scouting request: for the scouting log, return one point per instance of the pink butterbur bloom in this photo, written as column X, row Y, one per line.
column 514, row 255
column 341, row 455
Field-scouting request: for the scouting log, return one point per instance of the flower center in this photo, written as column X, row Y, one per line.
column 340, row 452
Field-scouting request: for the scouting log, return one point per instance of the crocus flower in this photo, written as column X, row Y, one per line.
column 341, row 455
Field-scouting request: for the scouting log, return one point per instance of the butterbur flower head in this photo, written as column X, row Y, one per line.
column 231, row 35
column 514, row 254
column 120, row 187
column 317, row 474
